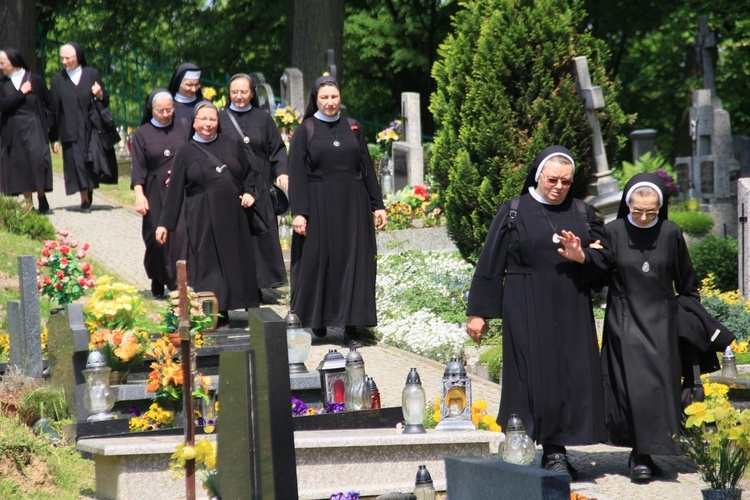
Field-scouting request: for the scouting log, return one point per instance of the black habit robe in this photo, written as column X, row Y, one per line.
column 333, row 267
column 551, row 369
column 219, row 256
column 72, row 105
column 266, row 154
column 153, row 151
column 26, row 122
column 640, row 356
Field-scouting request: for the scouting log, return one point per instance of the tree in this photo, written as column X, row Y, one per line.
column 18, row 19
column 505, row 91
column 318, row 26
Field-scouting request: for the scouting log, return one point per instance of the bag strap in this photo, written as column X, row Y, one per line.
column 513, row 212
column 236, row 125
column 220, row 167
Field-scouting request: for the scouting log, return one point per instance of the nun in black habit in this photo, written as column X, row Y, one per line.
column 266, row 153
column 640, row 357
column 185, row 87
column 333, row 195
column 212, row 179
column 28, row 116
column 73, row 92
column 154, row 146
column 536, row 274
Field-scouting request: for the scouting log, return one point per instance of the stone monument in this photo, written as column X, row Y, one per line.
column 408, row 161
column 603, row 189
column 712, row 170
column 23, row 321
column 292, row 89
column 642, row 142
column 264, row 91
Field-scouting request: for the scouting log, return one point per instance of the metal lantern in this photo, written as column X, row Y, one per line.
column 98, row 398
column 333, row 377
column 518, row 448
column 298, row 343
column 455, row 399
column 413, row 404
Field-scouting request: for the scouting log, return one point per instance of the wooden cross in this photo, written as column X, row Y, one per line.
column 187, row 375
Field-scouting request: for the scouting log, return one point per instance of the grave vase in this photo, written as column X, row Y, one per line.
column 118, row 377
column 723, row 494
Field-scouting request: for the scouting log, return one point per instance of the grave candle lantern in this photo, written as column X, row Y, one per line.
column 455, row 399
column 98, row 398
column 333, row 377
column 413, row 404
column 518, row 448
column 298, row 342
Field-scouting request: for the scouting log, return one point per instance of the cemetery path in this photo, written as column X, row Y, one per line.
column 114, row 232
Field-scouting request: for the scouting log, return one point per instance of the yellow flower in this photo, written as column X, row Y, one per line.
column 436, row 415
column 188, row 452
column 488, row 420
column 698, row 414
column 208, row 429
column 436, row 404
column 479, row 406
column 209, row 93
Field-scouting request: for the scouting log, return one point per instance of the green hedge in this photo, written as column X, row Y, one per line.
column 693, row 223
column 19, row 218
column 717, row 256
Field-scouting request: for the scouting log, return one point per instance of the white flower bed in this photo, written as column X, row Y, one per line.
column 420, row 303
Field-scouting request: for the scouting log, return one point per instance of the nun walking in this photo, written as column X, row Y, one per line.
column 185, row 87
column 28, row 116
column 154, row 147
column 74, row 90
column 266, row 153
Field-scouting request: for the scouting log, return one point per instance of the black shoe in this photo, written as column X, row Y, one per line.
column 320, row 332
column 157, row 289
column 86, row 207
column 43, row 205
column 655, row 469
column 558, row 462
column 639, row 468
column 351, row 335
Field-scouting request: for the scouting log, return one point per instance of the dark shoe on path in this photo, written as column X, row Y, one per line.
column 86, row 207
column 320, row 332
column 558, row 462
column 43, row 205
column 157, row 289
column 639, row 468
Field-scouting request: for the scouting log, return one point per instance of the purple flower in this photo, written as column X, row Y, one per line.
column 334, row 407
column 133, row 410
column 668, row 181
column 298, row 407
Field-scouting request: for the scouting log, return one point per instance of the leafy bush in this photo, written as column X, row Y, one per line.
column 693, row 223
column 729, row 307
column 493, row 358
column 648, row 163
column 19, row 218
column 717, row 256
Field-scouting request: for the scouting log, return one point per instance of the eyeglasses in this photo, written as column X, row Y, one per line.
column 552, row 181
column 163, row 112
column 644, row 213
column 207, row 120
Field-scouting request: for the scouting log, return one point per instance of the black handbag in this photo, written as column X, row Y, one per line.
column 104, row 124
column 279, row 199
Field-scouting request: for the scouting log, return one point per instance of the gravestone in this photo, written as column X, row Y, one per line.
column 24, row 325
column 292, row 89
column 642, row 142
column 742, row 153
column 264, row 91
column 68, row 348
column 408, row 161
column 603, row 189
column 256, row 457
column 471, row 477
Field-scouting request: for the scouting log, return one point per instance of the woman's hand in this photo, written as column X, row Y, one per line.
column 299, row 224
column 97, row 90
column 381, row 219
column 161, row 234
column 597, row 245
column 56, row 147
column 476, row 327
column 283, row 182
column 571, row 249
column 247, row 200
column 25, row 87
column 141, row 202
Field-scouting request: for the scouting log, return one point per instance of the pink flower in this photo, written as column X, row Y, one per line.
column 81, row 254
column 85, row 267
column 65, row 250
column 90, row 283
column 82, row 281
column 63, row 232
column 46, row 280
column 48, row 243
column 86, row 246
column 45, row 252
column 53, row 245
column 42, row 262
column 73, row 243
column 63, row 262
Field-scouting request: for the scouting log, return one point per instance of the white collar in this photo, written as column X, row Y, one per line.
column 185, row 100
column 330, row 119
column 650, row 224
column 17, row 78
column 240, row 110
column 159, row 125
column 198, row 138
column 75, row 75
column 541, row 199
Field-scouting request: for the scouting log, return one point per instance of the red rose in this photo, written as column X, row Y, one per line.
column 45, row 252
column 48, row 243
column 63, row 262
column 65, row 250
column 46, row 280
column 58, row 287
column 82, row 281
column 86, row 246
column 85, row 267
column 81, row 254
column 59, row 275
column 421, row 191
column 53, row 245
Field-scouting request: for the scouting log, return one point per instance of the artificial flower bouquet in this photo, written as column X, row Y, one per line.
column 204, row 454
column 717, row 438
column 301, row 409
column 63, row 276
column 287, row 117
column 198, row 319
column 480, row 417
column 154, row 418
column 414, row 203
column 392, row 133
column 166, row 378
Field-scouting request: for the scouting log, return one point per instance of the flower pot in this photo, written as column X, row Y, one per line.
column 117, row 377
column 727, row 494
